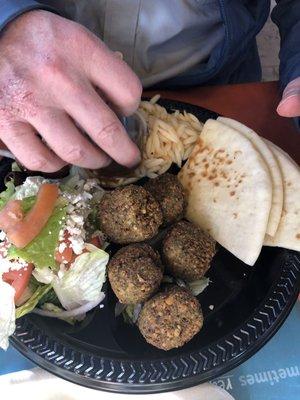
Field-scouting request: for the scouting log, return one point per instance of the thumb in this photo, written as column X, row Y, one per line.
column 290, row 103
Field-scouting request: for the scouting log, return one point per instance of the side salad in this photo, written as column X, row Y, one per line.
column 52, row 253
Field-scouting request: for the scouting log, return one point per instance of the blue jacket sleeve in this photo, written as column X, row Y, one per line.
column 286, row 16
column 10, row 9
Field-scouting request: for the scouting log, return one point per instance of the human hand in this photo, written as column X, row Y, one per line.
column 290, row 103
column 55, row 76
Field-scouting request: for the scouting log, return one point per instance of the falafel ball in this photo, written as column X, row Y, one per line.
column 170, row 318
column 135, row 273
column 129, row 214
column 169, row 193
column 188, row 251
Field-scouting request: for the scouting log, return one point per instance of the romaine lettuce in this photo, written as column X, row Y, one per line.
column 197, row 287
column 7, row 194
column 31, row 303
column 49, row 297
column 41, row 250
column 7, row 313
column 83, row 282
column 53, row 308
column 28, row 203
column 29, row 187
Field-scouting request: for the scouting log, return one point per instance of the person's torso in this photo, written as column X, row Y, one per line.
column 164, row 39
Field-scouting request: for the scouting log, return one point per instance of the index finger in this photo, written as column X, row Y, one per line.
column 101, row 124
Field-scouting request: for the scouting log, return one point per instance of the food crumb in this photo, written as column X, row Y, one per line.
column 211, row 307
column 101, row 306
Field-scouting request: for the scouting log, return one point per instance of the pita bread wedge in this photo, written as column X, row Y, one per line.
column 229, row 190
column 270, row 160
column 288, row 233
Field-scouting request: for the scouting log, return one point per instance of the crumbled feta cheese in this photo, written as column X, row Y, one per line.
column 77, row 212
column 77, row 219
column 62, row 246
column 2, row 236
column 11, row 265
column 30, row 187
column 74, row 231
column 78, row 209
column 211, row 307
column 62, row 270
column 77, row 244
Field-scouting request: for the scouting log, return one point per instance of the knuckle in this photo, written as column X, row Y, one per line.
column 51, row 68
column 109, row 134
column 17, row 135
column 74, row 155
column 17, row 97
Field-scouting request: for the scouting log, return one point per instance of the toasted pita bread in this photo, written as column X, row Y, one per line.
column 229, row 190
column 288, row 233
column 270, row 160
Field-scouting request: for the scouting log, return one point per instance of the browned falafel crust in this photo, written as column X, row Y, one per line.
column 169, row 193
column 135, row 273
column 188, row 251
column 129, row 214
column 170, row 318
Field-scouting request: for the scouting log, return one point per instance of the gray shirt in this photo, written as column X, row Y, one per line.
column 159, row 39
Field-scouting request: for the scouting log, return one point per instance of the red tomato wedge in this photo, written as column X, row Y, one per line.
column 11, row 215
column 35, row 220
column 67, row 254
column 18, row 279
column 95, row 240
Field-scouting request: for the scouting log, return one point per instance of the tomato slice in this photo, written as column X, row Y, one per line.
column 18, row 279
column 35, row 220
column 67, row 254
column 95, row 240
column 11, row 215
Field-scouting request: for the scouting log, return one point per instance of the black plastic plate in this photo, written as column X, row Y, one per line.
column 243, row 307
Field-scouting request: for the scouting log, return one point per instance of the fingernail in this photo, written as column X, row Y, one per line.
column 136, row 161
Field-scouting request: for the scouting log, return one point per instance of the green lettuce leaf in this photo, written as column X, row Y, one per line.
column 55, row 309
column 31, row 303
column 28, row 203
column 7, row 194
column 49, row 297
column 41, row 250
column 197, row 287
column 15, row 167
column 82, row 283
column 131, row 313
